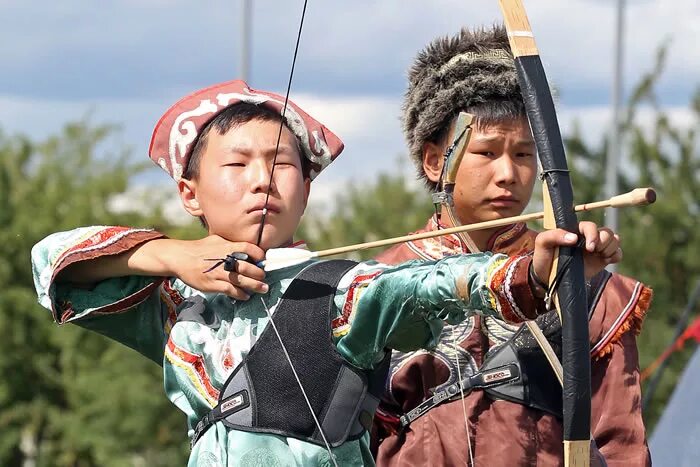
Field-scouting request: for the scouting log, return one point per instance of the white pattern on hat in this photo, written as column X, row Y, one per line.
column 183, row 133
column 319, row 154
column 178, row 129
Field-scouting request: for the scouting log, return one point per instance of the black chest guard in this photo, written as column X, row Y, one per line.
column 262, row 394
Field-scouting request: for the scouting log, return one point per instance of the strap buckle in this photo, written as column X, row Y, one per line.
column 479, row 380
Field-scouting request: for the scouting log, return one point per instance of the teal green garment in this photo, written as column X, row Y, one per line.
column 378, row 307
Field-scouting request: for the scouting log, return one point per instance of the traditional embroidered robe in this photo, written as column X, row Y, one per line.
column 376, row 307
column 503, row 432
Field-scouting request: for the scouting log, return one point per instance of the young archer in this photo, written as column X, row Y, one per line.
column 245, row 381
column 474, row 71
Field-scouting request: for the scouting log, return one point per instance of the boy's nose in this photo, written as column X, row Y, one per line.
column 260, row 176
column 505, row 171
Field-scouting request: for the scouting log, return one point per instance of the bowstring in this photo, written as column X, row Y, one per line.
column 262, row 226
column 453, row 334
column 279, row 134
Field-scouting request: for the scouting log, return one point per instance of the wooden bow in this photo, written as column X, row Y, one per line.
column 570, row 298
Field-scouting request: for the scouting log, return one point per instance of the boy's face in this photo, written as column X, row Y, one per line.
column 234, row 176
column 497, row 174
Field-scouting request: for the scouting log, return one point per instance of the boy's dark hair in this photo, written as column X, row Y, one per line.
column 472, row 71
column 230, row 117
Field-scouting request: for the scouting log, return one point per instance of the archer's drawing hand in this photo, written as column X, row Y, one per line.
column 190, row 262
column 602, row 247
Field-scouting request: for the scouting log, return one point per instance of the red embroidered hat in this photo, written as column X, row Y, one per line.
column 177, row 130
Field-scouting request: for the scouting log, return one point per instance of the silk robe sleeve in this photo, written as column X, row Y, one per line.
column 403, row 307
column 137, row 311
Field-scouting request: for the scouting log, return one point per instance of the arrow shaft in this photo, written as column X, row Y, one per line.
column 641, row 196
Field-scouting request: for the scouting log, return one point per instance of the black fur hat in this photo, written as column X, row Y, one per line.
column 472, row 71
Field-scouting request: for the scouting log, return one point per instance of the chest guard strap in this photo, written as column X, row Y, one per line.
column 262, row 395
column 516, row 371
column 538, row 386
column 486, row 378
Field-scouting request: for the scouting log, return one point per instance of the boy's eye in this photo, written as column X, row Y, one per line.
column 485, row 153
column 235, row 164
column 284, row 160
column 524, row 154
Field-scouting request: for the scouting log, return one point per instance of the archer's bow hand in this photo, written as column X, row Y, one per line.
column 601, row 247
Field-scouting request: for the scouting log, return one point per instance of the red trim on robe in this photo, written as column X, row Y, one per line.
column 197, row 364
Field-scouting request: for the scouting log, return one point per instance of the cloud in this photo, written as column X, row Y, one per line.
column 88, row 50
column 594, row 122
column 143, row 199
column 126, row 61
column 369, row 126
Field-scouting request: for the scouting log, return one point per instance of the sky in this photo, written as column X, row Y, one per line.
column 127, row 61
column 667, row 448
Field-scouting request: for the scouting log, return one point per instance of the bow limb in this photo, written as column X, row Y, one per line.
column 571, row 291
column 444, row 199
column 448, row 179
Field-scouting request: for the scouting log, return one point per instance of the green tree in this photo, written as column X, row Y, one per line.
column 385, row 207
column 69, row 397
column 661, row 242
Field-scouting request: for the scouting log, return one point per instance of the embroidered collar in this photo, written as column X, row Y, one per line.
column 436, row 248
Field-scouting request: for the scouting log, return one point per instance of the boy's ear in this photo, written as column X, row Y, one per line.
column 433, row 159
column 188, row 196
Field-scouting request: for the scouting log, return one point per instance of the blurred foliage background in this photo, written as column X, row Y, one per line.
column 72, row 398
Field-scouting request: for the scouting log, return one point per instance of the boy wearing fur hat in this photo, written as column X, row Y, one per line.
column 245, row 381
column 474, row 72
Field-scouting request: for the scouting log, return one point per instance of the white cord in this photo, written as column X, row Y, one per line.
column 470, row 460
column 306, row 398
